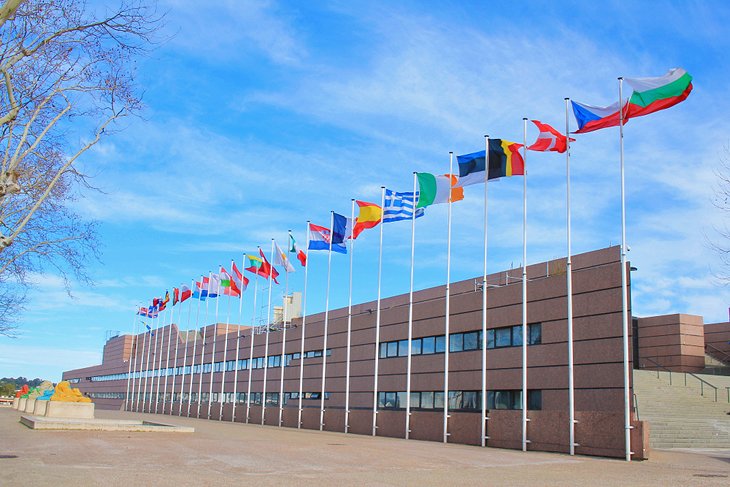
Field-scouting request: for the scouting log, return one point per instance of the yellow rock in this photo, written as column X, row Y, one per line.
column 65, row 393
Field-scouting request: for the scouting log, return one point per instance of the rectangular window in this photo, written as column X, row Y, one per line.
column 428, row 345
column 438, row 400
column 503, row 337
column 390, row 400
column 416, row 346
column 440, row 344
column 455, row 399
column 401, row 400
column 471, row 341
column 490, row 339
column 456, row 342
column 403, row 348
column 427, row 400
column 392, row 349
column 383, row 350
column 381, row 399
column 517, row 336
column 535, row 331
column 415, row 399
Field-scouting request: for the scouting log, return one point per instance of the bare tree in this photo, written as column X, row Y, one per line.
column 66, row 80
column 721, row 244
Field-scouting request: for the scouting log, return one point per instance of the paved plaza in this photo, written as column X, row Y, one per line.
column 238, row 454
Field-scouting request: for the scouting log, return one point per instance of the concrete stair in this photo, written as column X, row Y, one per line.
column 678, row 415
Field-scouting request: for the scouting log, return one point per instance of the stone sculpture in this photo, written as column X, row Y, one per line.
column 39, row 391
column 23, row 390
column 65, row 393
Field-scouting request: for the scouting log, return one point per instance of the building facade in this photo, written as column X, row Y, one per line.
column 236, row 376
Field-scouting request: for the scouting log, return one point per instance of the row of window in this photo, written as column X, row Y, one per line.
column 510, row 336
column 272, row 398
column 106, row 395
column 461, row 400
column 230, row 365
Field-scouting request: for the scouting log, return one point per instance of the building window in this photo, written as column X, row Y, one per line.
column 512, row 399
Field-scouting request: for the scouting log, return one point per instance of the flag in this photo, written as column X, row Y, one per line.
column 175, row 296
column 549, row 139
column 228, row 286
column 590, row 118
column 319, row 239
column 165, row 300
column 342, row 228
column 199, row 292
column 267, row 270
column 185, row 293
column 238, row 280
column 301, row 255
column 653, row 94
column 254, row 263
column 150, row 312
column 504, row 161
column 434, row 189
column 399, row 206
column 149, row 329
column 369, row 217
column 207, row 288
column 280, row 258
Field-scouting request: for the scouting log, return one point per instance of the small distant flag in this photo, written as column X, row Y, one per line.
column 549, row 139
column 228, row 284
column 369, row 217
column 280, row 258
column 301, row 255
column 504, row 160
column 342, row 228
column 185, row 293
column 434, row 189
column 175, row 296
column 319, row 239
column 238, row 279
column 399, row 206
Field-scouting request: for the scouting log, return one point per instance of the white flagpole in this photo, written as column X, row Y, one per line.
column 141, row 363
column 283, row 339
column 174, row 359
column 156, row 370
column 238, row 340
column 202, row 345
column 377, row 315
column 225, row 352
column 147, row 378
column 624, row 283
column 268, row 329
column 215, row 336
column 129, row 366
column 304, row 329
column 326, row 321
column 349, row 325
column 410, row 311
column 159, row 361
column 525, row 441
column 250, row 356
column 484, row 301
column 135, row 388
column 167, row 359
column 447, row 313
column 185, row 354
column 569, row 282
column 195, row 342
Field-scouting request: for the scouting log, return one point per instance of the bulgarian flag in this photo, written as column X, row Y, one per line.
column 369, row 217
column 228, row 285
column 653, row 94
column 434, row 189
column 300, row 253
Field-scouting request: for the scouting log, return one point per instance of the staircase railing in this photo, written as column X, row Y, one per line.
column 725, row 360
column 703, row 382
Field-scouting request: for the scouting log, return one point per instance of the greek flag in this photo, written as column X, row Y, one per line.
column 399, row 206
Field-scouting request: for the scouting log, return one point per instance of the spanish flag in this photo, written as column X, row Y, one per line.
column 369, row 217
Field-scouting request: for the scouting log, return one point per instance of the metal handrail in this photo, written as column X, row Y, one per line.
column 636, row 404
column 727, row 355
column 702, row 381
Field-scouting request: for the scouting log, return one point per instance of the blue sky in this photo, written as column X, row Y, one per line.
column 263, row 115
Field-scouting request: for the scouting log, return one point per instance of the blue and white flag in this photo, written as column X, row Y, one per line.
column 399, row 206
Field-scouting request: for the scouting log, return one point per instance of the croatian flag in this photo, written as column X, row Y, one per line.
column 592, row 118
column 319, row 239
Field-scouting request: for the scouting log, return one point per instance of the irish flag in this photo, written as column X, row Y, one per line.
column 434, row 189
column 653, row 94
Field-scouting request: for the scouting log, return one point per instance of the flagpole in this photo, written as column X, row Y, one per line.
column 135, row 387
column 225, row 351
column 167, row 359
column 215, row 337
column 268, row 329
column 195, row 342
column 156, row 370
column 141, row 363
column 304, row 329
column 377, row 316
column 484, row 436
column 129, row 367
column 525, row 441
column 177, row 343
column 326, row 321
column 624, row 283
column 569, row 286
column 238, row 339
column 159, row 361
column 447, row 311
column 349, row 323
column 185, row 354
column 250, row 356
column 283, row 341
column 202, row 345
column 410, row 311
column 147, row 378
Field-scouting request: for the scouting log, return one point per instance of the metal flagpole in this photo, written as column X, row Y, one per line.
column 129, row 367
column 250, row 356
column 225, row 353
column 349, row 324
column 283, row 340
column 141, row 363
column 525, row 441
column 159, row 359
column 238, row 340
column 177, row 344
column 447, row 312
column 135, row 389
column 569, row 283
column 410, row 311
column 156, row 370
column 304, row 329
column 195, row 342
column 326, row 321
column 377, row 315
column 268, row 329
column 202, row 345
column 167, row 359
column 215, row 336
column 624, row 282
column 147, row 362
column 185, row 353
column 484, row 300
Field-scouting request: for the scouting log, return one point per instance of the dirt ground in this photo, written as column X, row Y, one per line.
column 237, row 454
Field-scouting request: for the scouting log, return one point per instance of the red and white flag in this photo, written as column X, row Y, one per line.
column 549, row 139
column 238, row 280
